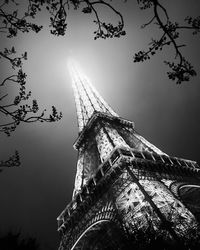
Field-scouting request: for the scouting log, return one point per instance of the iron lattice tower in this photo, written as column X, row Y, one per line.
column 123, row 182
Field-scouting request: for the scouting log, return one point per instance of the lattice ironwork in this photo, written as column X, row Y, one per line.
column 87, row 99
column 122, row 179
column 103, row 211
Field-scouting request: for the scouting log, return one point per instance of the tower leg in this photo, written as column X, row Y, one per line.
column 165, row 223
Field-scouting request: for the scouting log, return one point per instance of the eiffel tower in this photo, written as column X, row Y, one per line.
column 123, row 182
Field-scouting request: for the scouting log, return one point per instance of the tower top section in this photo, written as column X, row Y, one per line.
column 87, row 99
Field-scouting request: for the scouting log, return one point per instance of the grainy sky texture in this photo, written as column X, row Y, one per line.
column 166, row 114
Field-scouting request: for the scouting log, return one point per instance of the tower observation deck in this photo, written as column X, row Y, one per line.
column 123, row 182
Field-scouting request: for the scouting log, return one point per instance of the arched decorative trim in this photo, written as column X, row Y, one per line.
column 80, row 237
column 176, row 186
column 189, row 185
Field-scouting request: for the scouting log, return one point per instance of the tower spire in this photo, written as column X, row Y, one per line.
column 87, row 99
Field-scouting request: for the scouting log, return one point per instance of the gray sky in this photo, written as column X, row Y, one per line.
column 166, row 114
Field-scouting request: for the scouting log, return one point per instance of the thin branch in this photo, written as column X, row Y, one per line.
column 96, row 14
column 185, row 27
column 156, row 3
column 1, row 98
column 165, row 11
column 9, row 78
column 6, row 57
column 7, row 124
column 110, row 6
column 148, row 23
column 105, row 30
column 183, row 70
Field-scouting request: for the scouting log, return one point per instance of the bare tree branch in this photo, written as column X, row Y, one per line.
column 181, row 69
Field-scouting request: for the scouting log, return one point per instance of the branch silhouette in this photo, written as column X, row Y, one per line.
column 20, row 109
column 181, row 68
